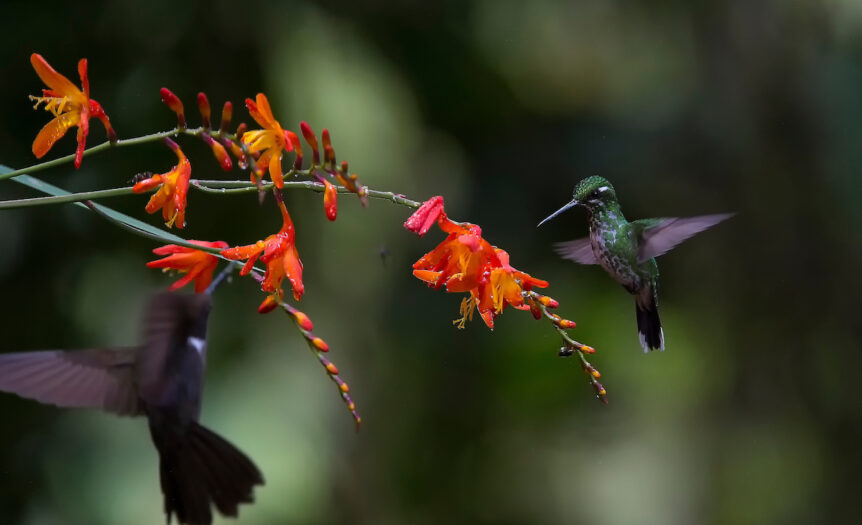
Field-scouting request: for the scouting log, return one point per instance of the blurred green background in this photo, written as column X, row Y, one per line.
column 752, row 415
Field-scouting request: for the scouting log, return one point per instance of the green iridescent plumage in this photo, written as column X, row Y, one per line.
column 627, row 250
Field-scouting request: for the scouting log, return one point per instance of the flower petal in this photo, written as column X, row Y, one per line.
column 54, row 131
column 57, row 82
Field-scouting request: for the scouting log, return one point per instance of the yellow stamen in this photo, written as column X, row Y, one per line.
column 170, row 223
column 54, row 105
column 468, row 305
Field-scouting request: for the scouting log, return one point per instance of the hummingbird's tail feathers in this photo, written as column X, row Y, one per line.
column 205, row 468
column 649, row 324
column 96, row 378
column 658, row 236
column 578, row 250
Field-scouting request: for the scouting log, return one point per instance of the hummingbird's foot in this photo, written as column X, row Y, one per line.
column 566, row 351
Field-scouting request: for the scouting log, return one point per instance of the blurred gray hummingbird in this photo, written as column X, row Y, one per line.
column 162, row 380
column 627, row 250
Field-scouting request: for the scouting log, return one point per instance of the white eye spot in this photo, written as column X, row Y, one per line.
column 602, row 189
column 198, row 344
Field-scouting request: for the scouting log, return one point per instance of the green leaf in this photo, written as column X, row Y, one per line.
column 122, row 219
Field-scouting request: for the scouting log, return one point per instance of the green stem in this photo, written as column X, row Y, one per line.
column 236, row 186
column 102, row 147
column 206, row 186
column 63, row 199
column 95, row 208
column 571, row 343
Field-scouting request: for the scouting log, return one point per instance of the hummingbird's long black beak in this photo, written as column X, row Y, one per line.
column 570, row 205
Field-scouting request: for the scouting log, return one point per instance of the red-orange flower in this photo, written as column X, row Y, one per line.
column 465, row 262
column 197, row 265
column 70, row 107
column 272, row 140
column 171, row 197
column 278, row 252
column 424, row 218
column 459, row 261
column 330, row 200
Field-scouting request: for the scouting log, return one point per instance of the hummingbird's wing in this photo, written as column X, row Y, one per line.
column 657, row 236
column 579, row 250
column 97, row 378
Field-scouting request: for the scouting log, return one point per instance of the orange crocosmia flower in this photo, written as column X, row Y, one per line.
column 278, row 252
column 171, row 197
column 272, row 140
column 459, row 261
column 504, row 286
column 197, row 265
column 465, row 262
column 70, row 107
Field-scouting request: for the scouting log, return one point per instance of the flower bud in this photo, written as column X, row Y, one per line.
column 566, row 324
column 226, row 115
column 424, row 218
column 293, row 139
column 320, row 344
column 174, row 104
column 303, row 321
column 237, row 152
column 548, row 302
column 204, row 108
column 267, row 305
column 218, row 151
column 330, row 200
column 328, row 152
column 534, row 309
column 311, row 138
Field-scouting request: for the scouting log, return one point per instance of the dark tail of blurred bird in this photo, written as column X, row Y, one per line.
column 649, row 324
column 197, row 467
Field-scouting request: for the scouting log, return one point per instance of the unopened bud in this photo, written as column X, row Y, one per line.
column 320, row 344
column 548, row 302
column 267, row 305
column 566, row 324
column 330, row 200
column 303, row 321
column 311, row 138
column 204, row 108
column 218, row 151
column 293, row 139
column 174, row 104
column 226, row 116
column 535, row 310
column 328, row 152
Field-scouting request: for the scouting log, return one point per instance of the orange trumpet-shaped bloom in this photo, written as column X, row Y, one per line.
column 171, row 197
column 272, row 140
column 459, row 261
column 465, row 262
column 70, row 107
column 506, row 285
column 278, row 252
column 197, row 265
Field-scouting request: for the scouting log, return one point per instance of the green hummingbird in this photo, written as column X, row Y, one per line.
column 627, row 250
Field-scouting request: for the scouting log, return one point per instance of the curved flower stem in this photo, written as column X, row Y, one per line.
column 102, row 147
column 64, row 199
column 571, row 345
column 207, row 186
column 137, row 231
column 227, row 187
